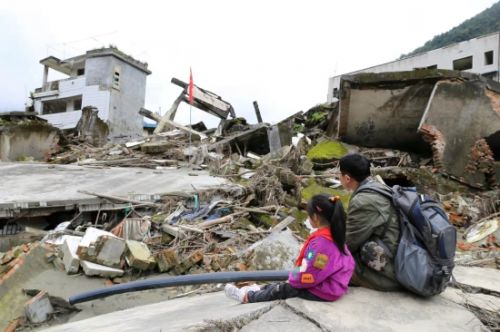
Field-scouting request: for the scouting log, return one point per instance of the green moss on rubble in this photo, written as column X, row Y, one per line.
column 327, row 150
column 316, row 189
column 265, row 220
column 159, row 218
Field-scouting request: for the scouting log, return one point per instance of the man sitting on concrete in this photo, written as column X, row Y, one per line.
column 372, row 226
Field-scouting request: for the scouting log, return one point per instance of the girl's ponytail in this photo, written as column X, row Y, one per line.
column 330, row 209
column 337, row 226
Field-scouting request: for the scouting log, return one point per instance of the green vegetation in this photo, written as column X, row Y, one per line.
column 326, row 151
column 298, row 128
column 315, row 189
column 487, row 21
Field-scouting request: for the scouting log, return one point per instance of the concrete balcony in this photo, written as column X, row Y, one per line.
column 64, row 87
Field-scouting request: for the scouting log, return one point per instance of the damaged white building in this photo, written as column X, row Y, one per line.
column 479, row 55
column 106, row 78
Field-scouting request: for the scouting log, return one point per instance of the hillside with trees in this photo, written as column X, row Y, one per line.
column 487, row 21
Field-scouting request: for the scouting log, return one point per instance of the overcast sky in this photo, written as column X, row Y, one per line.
column 280, row 53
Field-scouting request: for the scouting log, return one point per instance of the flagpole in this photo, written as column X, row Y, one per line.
column 190, row 126
column 190, row 93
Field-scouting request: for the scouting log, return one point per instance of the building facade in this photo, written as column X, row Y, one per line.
column 479, row 55
column 106, row 78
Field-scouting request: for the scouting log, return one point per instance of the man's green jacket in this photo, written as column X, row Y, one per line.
column 372, row 217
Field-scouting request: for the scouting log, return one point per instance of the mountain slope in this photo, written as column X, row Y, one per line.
column 483, row 23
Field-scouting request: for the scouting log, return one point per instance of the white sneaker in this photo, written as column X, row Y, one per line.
column 234, row 292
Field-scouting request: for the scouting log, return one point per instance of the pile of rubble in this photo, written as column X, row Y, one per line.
column 258, row 223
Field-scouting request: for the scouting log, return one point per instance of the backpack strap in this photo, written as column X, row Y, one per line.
column 386, row 193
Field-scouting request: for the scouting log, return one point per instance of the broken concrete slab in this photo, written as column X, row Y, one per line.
column 363, row 309
column 479, row 301
column 70, row 257
column 255, row 140
column 87, row 247
column 360, row 310
column 138, row 255
column 205, row 100
column 93, row 269
column 187, row 314
column 280, row 319
column 478, row 277
column 276, row 252
column 43, row 189
column 109, row 250
column 38, row 309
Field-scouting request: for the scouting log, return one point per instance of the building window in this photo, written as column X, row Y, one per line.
column 336, row 92
column 116, row 77
column 80, row 72
column 488, row 58
column 54, row 106
column 463, row 63
column 77, row 104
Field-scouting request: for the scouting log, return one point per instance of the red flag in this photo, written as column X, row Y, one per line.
column 190, row 87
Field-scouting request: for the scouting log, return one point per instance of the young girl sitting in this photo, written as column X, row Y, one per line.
column 324, row 266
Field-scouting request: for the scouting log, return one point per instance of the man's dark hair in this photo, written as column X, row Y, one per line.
column 356, row 166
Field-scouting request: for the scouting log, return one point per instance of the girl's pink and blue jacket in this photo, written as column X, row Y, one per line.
column 325, row 271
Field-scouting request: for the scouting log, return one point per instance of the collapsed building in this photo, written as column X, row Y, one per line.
column 452, row 116
column 106, row 79
column 189, row 199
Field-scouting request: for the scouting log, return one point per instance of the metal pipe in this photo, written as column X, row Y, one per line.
column 195, row 279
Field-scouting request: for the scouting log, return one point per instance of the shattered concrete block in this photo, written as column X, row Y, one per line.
column 139, row 256
column 86, row 248
column 38, row 309
column 91, row 128
column 70, row 258
column 93, row 269
column 109, row 250
column 276, row 252
column 167, row 259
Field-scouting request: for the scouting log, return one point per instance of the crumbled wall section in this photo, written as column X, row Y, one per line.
column 383, row 114
column 450, row 112
column 464, row 112
column 28, row 140
column 91, row 128
column 437, row 142
column 482, row 161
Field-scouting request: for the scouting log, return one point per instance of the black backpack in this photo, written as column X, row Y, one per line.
column 425, row 256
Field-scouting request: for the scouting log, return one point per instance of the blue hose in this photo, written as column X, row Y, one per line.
column 194, row 279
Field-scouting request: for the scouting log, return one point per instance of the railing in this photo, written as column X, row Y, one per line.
column 65, row 84
column 49, row 86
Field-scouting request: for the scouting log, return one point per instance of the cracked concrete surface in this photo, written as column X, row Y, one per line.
column 360, row 310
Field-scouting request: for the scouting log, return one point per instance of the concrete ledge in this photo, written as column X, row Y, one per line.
column 176, row 315
column 363, row 309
